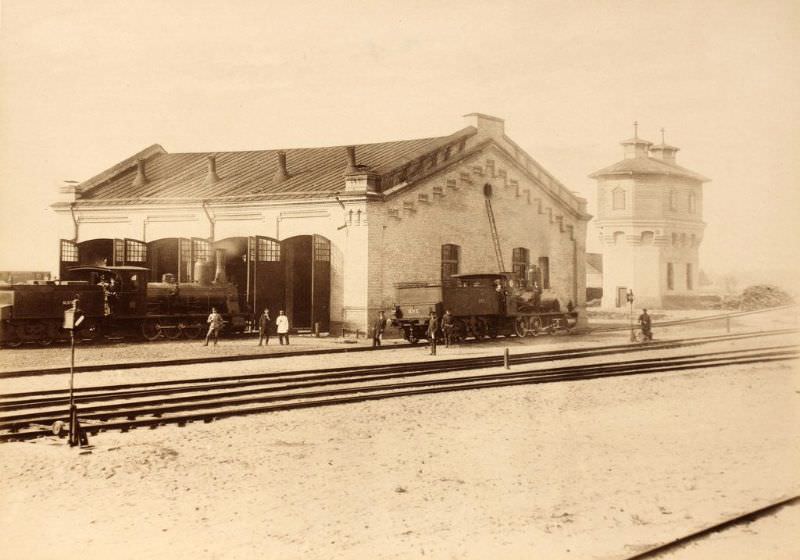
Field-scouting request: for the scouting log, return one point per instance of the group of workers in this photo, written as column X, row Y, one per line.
column 215, row 323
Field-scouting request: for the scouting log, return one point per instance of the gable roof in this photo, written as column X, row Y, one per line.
column 647, row 166
column 313, row 172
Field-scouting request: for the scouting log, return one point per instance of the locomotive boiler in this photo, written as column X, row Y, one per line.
column 482, row 305
column 119, row 300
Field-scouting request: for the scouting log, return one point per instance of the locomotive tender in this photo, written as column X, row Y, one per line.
column 481, row 305
column 34, row 312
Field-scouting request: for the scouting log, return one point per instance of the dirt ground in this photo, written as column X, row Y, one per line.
column 594, row 469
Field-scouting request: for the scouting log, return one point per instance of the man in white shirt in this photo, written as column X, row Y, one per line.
column 282, row 324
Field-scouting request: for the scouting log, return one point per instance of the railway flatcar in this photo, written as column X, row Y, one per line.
column 482, row 305
column 118, row 300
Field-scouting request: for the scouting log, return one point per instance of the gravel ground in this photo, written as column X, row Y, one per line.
column 595, row 469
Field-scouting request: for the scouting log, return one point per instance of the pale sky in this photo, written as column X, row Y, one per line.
column 85, row 84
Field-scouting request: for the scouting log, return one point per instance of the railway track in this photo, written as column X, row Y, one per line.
column 125, row 407
column 748, row 517
column 615, row 348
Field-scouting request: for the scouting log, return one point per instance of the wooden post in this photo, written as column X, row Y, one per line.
column 505, row 359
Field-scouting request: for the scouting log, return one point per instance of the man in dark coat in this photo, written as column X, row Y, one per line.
column 646, row 323
column 377, row 329
column 433, row 327
column 263, row 328
column 447, row 328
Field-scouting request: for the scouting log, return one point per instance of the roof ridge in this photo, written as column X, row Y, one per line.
column 270, row 150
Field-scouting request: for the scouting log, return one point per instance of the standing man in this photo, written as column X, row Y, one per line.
column 214, row 325
column 433, row 327
column 377, row 329
column 282, row 324
column 447, row 328
column 646, row 322
column 263, row 327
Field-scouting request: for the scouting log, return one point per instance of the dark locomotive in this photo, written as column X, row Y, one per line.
column 482, row 305
column 118, row 300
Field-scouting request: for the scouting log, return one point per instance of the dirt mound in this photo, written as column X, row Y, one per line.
column 761, row 296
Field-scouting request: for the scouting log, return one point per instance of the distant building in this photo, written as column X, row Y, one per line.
column 650, row 217
column 22, row 276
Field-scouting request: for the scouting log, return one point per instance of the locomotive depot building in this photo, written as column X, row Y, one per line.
column 328, row 234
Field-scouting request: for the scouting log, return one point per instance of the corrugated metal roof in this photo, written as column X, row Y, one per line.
column 251, row 174
column 647, row 166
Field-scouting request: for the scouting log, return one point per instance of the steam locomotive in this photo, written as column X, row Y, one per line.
column 482, row 305
column 118, row 299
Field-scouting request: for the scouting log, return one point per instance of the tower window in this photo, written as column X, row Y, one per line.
column 618, row 199
column 647, row 237
column 692, row 203
column 689, row 280
column 673, row 199
column 670, row 276
column 674, row 239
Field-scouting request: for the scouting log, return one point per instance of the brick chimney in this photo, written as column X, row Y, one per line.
column 358, row 178
column 487, row 125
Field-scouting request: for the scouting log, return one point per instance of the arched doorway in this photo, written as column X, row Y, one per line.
column 307, row 266
column 164, row 257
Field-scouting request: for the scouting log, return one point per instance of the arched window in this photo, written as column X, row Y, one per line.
column 520, row 259
column 692, row 203
column 618, row 198
column 619, row 237
column 647, row 237
column 673, row 199
column 451, row 255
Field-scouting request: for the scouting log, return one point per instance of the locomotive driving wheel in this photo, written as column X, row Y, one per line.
column 520, row 326
column 191, row 330
column 170, row 329
column 459, row 331
column 150, row 329
column 535, row 325
column 479, row 328
column 89, row 331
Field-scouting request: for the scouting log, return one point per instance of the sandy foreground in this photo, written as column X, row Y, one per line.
column 593, row 469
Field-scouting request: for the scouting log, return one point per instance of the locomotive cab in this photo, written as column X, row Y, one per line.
column 130, row 286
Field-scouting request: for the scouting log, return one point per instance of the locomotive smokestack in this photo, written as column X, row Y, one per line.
column 219, row 276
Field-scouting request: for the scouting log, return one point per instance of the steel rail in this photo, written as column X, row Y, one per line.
column 248, row 357
column 9, row 400
column 7, row 421
column 355, row 374
column 748, row 517
column 233, row 407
